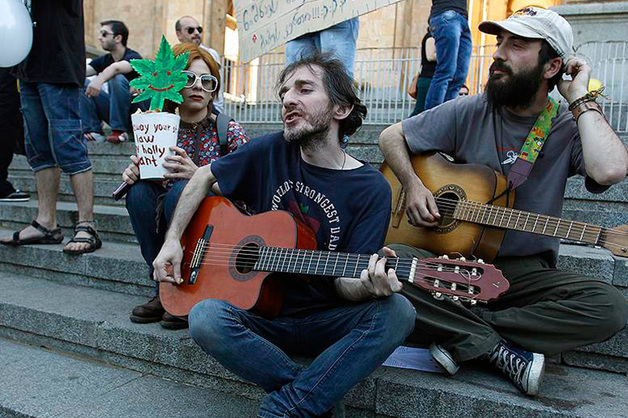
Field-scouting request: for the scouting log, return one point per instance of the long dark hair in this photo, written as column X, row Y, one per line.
column 337, row 83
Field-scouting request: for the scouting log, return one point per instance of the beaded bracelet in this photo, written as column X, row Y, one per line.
column 589, row 97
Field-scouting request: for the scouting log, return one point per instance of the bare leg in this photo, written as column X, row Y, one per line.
column 83, row 186
column 47, row 181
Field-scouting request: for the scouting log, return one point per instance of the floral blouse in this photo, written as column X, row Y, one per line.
column 205, row 132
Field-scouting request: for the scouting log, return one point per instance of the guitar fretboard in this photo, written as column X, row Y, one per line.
column 518, row 220
column 322, row 263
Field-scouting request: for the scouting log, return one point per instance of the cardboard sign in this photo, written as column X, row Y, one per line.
column 264, row 25
column 154, row 134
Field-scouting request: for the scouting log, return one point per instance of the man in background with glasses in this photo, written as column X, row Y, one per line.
column 113, row 104
column 189, row 30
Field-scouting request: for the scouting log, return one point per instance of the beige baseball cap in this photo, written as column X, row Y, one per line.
column 536, row 23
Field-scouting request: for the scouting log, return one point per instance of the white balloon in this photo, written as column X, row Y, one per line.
column 16, row 32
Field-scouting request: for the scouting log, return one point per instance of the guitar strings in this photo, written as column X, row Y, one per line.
column 225, row 257
column 552, row 221
column 470, row 281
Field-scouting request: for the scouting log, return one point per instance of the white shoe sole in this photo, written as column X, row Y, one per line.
column 535, row 375
column 443, row 359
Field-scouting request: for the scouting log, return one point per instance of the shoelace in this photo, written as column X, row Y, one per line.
column 510, row 364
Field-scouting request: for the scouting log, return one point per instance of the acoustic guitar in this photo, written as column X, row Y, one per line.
column 231, row 256
column 471, row 226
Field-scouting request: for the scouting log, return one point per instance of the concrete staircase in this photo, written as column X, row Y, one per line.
column 68, row 349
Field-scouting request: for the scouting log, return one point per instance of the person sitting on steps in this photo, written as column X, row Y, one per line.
column 151, row 203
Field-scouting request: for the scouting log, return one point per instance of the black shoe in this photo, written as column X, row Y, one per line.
column 524, row 368
column 151, row 311
column 173, row 322
column 16, row 196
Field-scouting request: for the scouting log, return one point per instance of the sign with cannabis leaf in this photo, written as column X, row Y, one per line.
column 160, row 79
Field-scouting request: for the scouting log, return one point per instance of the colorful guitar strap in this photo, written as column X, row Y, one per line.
column 532, row 146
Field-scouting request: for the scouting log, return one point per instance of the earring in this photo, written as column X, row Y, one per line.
column 344, row 141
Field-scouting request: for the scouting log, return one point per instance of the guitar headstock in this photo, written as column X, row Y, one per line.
column 616, row 240
column 460, row 279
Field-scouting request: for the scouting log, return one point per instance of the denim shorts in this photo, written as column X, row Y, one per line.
column 52, row 127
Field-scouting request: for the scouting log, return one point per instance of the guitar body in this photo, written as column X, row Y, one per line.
column 224, row 272
column 453, row 182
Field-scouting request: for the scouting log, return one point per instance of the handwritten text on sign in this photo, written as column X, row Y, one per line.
column 154, row 134
column 264, row 25
column 146, row 149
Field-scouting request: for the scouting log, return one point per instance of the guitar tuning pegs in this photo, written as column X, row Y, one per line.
column 438, row 295
column 453, row 286
column 455, row 298
column 473, row 302
column 444, row 257
column 480, row 261
column 470, row 291
column 474, row 271
column 462, row 259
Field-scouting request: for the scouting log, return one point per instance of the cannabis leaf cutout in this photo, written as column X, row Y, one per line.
column 160, row 79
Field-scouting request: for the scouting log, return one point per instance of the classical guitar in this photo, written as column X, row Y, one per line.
column 231, row 256
column 469, row 225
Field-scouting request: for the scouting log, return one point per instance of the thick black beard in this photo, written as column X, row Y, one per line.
column 518, row 91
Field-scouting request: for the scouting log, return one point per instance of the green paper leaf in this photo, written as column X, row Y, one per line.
column 143, row 67
column 162, row 78
column 145, row 95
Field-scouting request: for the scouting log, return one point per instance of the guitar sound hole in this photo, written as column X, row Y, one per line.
column 446, row 203
column 246, row 258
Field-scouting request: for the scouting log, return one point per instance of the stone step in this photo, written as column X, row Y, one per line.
column 104, row 185
column 116, row 267
column 112, row 221
column 109, row 165
column 53, row 384
column 93, row 324
column 120, row 268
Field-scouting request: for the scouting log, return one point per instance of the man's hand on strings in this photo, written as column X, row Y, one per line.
column 167, row 264
column 421, row 207
column 378, row 281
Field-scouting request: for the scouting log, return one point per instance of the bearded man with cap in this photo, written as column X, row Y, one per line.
column 547, row 310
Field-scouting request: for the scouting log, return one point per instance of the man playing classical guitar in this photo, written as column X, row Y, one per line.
column 351, row 325
column 547, row 310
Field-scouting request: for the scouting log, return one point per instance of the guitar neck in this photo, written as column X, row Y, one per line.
column 324, row 263
column 518, row 220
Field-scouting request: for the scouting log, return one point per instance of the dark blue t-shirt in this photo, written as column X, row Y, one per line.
column 100, row 63
column 348, row 210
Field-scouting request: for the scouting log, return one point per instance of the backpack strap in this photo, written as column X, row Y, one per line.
column 222, row 125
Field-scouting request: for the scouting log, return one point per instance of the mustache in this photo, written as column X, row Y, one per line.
column 499, row 65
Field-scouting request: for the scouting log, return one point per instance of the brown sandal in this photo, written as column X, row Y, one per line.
column 93, row 241
column 51, row 236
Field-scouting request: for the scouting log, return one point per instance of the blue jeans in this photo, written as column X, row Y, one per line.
column 453, row 50
column 150, row 230
column 339, row 40
column 350, row 342
column 52, row 127
column 114, row 107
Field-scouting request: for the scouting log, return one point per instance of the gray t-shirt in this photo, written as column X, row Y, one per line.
column 471, row 132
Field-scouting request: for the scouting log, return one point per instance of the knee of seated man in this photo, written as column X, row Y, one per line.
column 400, row 315
column 612, row 309
column 204, row 320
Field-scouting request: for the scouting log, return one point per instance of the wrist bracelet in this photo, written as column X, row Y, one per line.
column 585, row 106
column 589, row 97
column 584, row 99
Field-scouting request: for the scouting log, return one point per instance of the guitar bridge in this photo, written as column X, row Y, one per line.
column 199, row 254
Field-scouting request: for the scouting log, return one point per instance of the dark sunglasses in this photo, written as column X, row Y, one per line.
column 191, row 29
column 104, row 33
column 209, row 83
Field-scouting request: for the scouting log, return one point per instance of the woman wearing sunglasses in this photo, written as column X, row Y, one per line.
column 151, row 203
